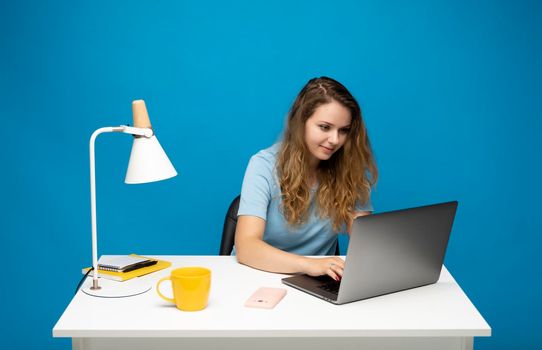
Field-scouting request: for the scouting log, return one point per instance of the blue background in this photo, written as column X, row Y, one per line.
column 450, row 92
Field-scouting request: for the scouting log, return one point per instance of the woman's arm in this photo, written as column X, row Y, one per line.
column 253, row 251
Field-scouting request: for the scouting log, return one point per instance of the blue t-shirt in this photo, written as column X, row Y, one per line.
column 261, row 197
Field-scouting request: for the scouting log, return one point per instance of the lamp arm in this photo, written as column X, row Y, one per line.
column 146, row 132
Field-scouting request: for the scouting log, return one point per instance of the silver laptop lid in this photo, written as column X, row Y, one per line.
column 396, row 250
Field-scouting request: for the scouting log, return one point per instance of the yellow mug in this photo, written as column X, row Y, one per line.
column 191, row 287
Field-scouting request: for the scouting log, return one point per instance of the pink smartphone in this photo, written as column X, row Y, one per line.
column 266, row 297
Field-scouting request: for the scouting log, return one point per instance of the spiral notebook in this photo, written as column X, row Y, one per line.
column 123, row 276
column 123, row 263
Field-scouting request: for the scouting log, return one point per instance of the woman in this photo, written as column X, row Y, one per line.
column 299, row 194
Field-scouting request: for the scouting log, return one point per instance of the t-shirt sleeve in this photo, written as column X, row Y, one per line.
column 256, row 189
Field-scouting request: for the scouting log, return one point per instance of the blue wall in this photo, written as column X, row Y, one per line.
column 448, row 90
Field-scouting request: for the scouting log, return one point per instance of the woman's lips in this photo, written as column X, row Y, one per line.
column 326, row 149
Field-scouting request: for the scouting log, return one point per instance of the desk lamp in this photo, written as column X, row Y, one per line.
column 148, row 163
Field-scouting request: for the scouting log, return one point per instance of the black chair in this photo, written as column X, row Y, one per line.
column 228, row 232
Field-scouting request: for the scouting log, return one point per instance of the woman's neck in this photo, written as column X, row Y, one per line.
column 312, row 176
column 313, row 165
column 313, row 170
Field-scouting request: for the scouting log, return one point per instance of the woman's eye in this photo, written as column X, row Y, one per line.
column 324, row 127
column 344, row 131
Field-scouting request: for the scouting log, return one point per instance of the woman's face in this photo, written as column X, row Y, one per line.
column 326, row 131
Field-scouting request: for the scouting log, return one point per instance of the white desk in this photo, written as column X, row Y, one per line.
column 438, row 316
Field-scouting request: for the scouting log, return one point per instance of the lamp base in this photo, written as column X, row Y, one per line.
column 115, row 289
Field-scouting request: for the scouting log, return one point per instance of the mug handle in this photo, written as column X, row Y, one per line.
column 158, row 290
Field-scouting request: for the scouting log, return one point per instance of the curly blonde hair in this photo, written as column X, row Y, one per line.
column 344, row 179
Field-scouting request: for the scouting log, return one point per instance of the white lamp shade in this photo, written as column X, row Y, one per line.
column 148, row 162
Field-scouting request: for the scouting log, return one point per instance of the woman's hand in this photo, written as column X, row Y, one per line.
column 331, row 266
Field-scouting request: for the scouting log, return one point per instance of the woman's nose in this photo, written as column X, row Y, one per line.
column 333, row 137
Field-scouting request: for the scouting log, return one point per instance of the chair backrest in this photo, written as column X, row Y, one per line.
column 228, row 232
column 230, row 224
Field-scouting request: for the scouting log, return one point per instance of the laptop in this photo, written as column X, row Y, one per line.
column 388, row 252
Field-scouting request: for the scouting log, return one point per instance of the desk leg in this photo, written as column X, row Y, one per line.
column 78, row 343
column 294, row 343
column 468, row 343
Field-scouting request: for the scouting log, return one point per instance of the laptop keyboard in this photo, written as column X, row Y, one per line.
column 331, row 287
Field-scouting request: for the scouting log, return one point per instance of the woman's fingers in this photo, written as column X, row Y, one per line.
column 335, row 269
column 332, row 267
column 333, row 274
column 339, row 262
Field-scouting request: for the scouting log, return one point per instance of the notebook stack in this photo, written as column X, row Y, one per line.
column 125, row 267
